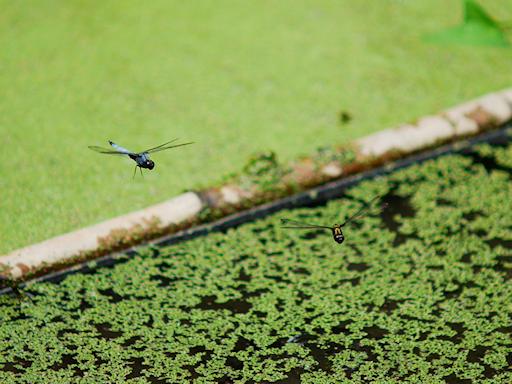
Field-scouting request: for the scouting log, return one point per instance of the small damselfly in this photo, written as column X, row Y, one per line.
column 336, row 229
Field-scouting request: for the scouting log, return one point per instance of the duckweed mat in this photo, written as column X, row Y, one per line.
column 420, row 292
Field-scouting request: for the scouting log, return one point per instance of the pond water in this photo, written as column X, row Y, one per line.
column 419, row 292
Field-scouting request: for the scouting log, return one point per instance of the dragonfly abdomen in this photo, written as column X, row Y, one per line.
column 337, row 234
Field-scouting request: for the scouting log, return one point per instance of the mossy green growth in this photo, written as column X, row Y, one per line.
column 233, row 76
column 419, row 293
column 262, row 171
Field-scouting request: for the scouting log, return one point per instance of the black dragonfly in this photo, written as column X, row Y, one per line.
column 141, row 159
column 336, row 229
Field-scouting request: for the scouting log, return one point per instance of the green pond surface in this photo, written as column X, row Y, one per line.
column 236, row 77
column 420, row 292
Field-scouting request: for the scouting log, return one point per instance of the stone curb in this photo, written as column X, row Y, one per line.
column 67, row 246
column 464, row 120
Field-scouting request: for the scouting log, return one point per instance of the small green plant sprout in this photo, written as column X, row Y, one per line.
column 477, row 28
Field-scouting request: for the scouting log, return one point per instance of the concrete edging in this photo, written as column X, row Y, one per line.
column 464, row 120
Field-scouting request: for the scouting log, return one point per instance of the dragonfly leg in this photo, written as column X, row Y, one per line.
column 134, row 172
column 140, row 169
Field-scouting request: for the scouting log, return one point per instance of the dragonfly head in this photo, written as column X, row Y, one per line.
column 338, row 234
column 149, row 164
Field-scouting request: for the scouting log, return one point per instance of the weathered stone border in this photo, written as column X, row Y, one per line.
column 247, row 189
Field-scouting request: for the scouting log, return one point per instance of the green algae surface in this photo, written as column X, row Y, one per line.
column 235, row 77
column 420, row 292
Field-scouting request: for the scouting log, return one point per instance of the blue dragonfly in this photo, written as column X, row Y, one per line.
column 141, row 159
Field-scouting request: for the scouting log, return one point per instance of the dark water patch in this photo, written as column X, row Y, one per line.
column 206, row 354
column 453, row 293
column 432, row 356
column 504, row 259
column 10, row 367
column 278, row 278
column 371, row 355
column 68, row 360
column 137, row 366
column 476, row 355
column 473, row 215
column 466, row 258
column 149, row 323
column 423, row 336
column 301, row 271
column 505, row 329
column 240, row 258
column 84, row 305
column 454, row 379
column 369, row 307
column 234, row 362
column 375, row 332
column 341, row 327
column 57, row 319
column 105, row 331
column 234, row 305
column 444, row 202
column 114, row 297
column 353, row 281
column 192, row 371
column 98, row 361
column 359, row 267
column 500, row 267
column 262, row 241
column 242, row 344
column 131, row 341
column 196, row 349
column 303, row 297
column 163, row 266
column 13, row 367
column 227, row 380
column 280, row 304
column 165, row 281
column 489, row 163
column 498, row 242
column 459, row 330
column 256, row 293
column 390, row 305
column 243, row 276
column 63, row 332
column 260, row 314
column 293, row 376
column 322, row 353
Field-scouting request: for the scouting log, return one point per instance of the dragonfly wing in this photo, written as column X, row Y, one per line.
column 120, row 149
column 166, row 147
column 105, row 151
column 300, row 225
column 362, row 211
column 159, row 146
